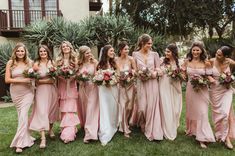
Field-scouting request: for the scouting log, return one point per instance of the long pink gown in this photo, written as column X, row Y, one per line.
column 22, row 95
column 68, row 99
column 126, row 102
column 45, row 110
column 197, row 122
column 148, row 98
column 222, row 108
column 170, row 105
column 90, row 104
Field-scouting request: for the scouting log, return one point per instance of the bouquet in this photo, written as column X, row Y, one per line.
column 226, row 79
column 66, row 72
column 198, row 82
column 144, row 74
column 52, row 72
column 174, row 74
column 126, row 78
column 84, row 76
column 32, row 73
column 105, row 77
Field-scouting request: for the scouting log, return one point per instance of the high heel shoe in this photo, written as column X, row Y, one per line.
column 229, row 145
column 203, row 145
column 19, row 150
column 51, row 134
column 43, row 143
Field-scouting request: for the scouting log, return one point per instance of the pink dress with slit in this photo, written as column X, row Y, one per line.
column 22, row 96
column 222, row 109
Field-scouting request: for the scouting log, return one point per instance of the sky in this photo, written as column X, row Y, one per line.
column 105, row 5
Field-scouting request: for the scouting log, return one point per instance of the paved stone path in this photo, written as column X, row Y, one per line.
column 4, row 105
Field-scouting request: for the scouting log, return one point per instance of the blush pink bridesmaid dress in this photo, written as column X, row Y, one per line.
column 22, row 96
column 126, row 102
column 148, row 98
column 45, row 110
column 89, row 98
column 197, row 122
column 222, row 109
column 68, row 99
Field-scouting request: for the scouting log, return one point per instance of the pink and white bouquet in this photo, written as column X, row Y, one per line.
column 198, row 82
column 105, row 77
column 226, row 79
column 144, row 74
column 32, row 73
column 175, row 74
column 126, row 78
column 52, row 72
column 83, row 76
column 66, row 72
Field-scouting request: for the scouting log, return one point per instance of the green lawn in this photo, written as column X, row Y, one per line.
column 136, row 145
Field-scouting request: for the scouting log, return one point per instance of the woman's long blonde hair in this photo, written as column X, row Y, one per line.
column 72, row 57
column 14, row 58
column 81, row 58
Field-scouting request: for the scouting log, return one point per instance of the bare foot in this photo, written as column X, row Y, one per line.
column 126, row 135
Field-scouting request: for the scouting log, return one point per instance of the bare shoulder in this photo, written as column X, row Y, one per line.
column 9, row 62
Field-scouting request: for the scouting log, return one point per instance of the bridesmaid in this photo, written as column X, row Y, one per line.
column 89, row 95
column 68, row 95
column 147, row 91
column 221, row 97
column 197, row 122
column 45, row 110
column 21, row 93
column 125, row 63
column 107, row 99
column 170, row 94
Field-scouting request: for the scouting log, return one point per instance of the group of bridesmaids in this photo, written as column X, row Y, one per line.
column 154, row 105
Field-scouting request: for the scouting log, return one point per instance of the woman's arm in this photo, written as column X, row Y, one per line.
column 9, row 79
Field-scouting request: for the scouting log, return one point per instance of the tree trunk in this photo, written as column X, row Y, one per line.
column 110, row 7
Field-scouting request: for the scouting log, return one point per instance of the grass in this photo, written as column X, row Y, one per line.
column 137, row 145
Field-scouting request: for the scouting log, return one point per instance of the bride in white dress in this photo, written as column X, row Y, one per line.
column 108, row 99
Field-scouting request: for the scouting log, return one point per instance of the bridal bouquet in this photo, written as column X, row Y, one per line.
column 105, row 77
column 52, row 72
column 31, row 73
column 175, row 74
column 144, row 74
column 66, row 72
column 126, row 78
column 83, row 76
column 198, row 82
column 226, row 79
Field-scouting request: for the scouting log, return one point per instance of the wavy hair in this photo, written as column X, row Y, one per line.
column 14, row 58
column 72, row 57
column 38, row 59
column 142, row 40
column 104, row 59
column 121, row 46
column 200, row 45
column 174, row 51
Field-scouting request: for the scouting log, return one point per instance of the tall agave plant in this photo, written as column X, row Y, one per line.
column 5, row 54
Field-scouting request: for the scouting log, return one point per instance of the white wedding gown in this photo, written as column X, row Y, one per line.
column 108, row 113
